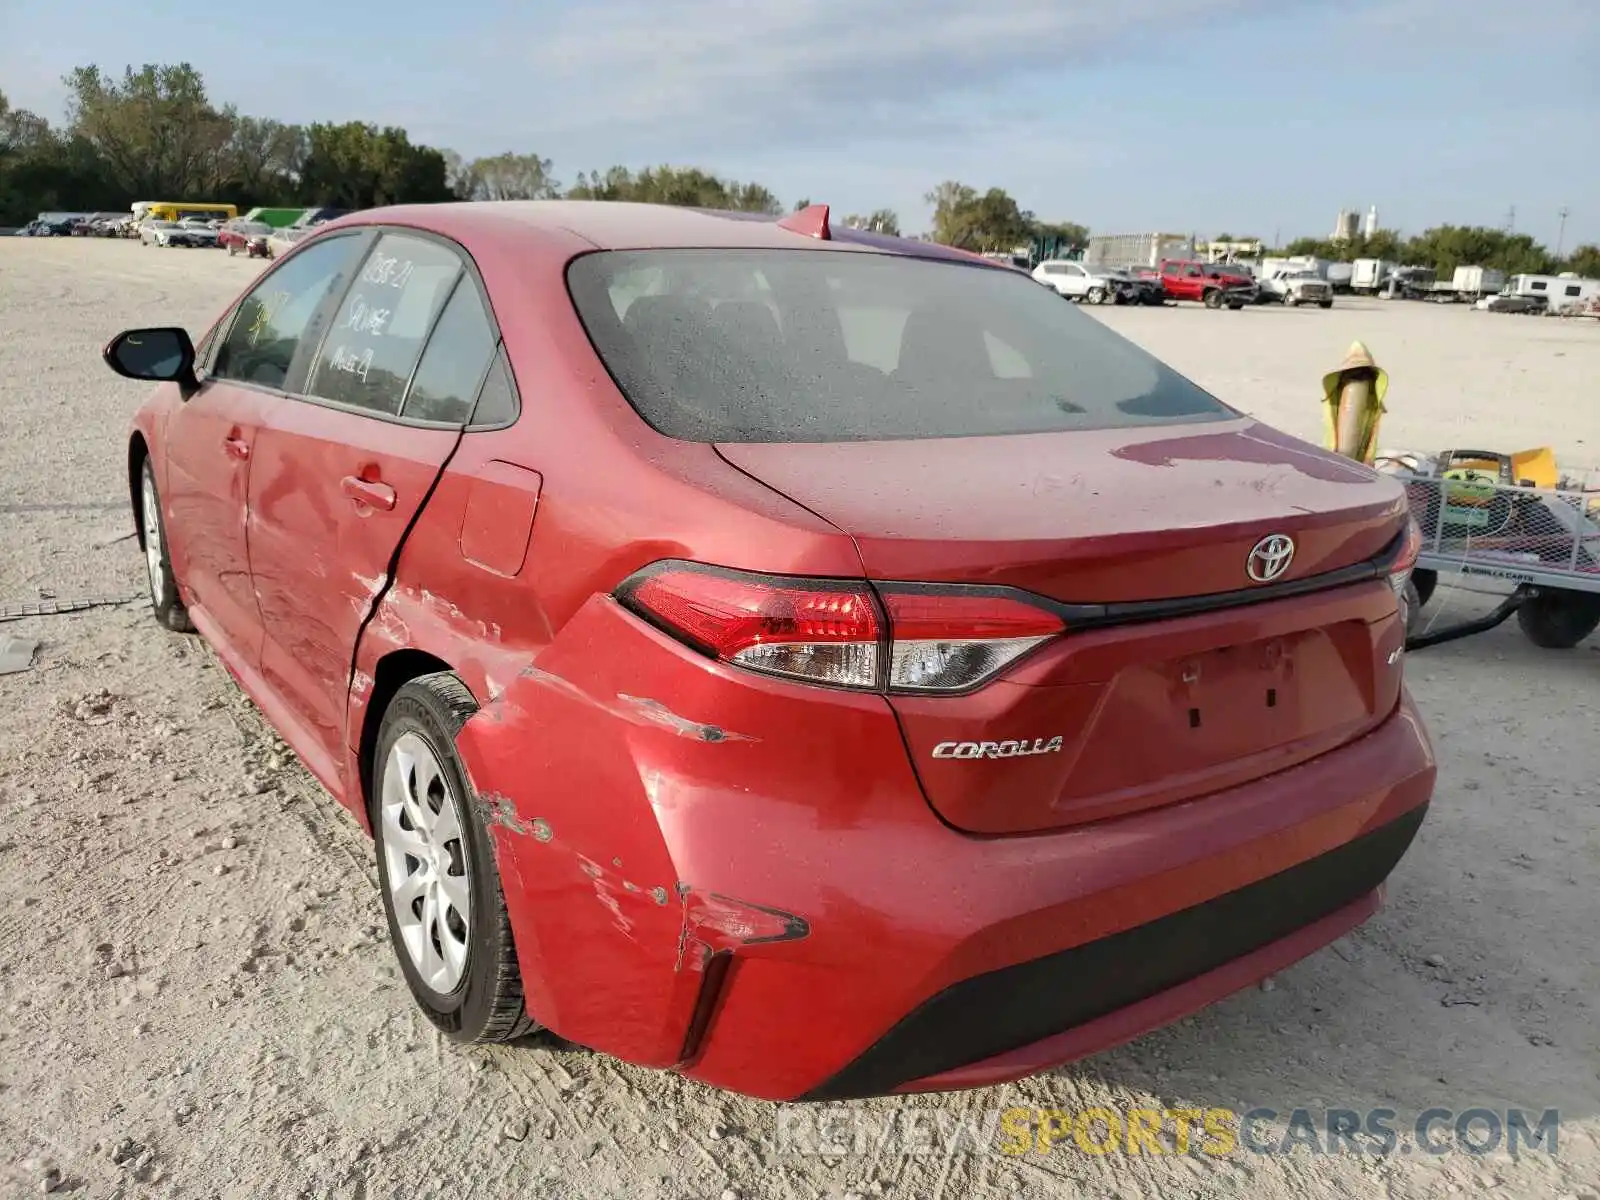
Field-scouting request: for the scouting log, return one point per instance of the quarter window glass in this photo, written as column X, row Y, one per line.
column 273, row 319
column 497, row 401
column 447, row 378
column 377, row 334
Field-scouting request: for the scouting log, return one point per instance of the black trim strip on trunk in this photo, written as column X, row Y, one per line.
column 1128, row 612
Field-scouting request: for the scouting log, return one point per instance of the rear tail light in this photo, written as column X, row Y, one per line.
column 1404, row 562
column 840, row 633
column 948, row 641
column 818, row 630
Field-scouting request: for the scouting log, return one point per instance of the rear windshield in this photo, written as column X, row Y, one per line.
column 827, row 346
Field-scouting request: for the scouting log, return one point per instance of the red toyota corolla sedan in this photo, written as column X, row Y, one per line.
column 818, row 663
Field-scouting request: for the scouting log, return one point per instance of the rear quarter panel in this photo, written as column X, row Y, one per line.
column 612, row 496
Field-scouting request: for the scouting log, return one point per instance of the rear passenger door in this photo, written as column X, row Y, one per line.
column 341, row 470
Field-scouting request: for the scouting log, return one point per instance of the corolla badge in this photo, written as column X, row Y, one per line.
column 1270, row 557
column 1007, row 749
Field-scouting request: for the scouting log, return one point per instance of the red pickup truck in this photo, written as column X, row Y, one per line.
column 1213, row 284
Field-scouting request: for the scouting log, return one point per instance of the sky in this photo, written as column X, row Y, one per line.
column 1260, row 117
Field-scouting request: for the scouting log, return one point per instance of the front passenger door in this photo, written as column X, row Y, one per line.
column 208, row 441
column 340, row 473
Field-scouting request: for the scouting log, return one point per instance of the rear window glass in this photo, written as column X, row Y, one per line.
column 823, row 346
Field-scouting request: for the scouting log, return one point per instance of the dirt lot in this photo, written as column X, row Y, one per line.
column 197, row 1001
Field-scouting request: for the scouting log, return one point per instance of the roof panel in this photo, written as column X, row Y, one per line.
column 617, row 225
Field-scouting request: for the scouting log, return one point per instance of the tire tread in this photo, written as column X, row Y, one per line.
column 175, row 616
column 507, row 1012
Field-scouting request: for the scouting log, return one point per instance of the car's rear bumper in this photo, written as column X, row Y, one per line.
column 769, row 905
column 1023, row 1019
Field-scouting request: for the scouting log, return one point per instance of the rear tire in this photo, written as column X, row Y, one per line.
column 436, row 869
column 1425, row 581
column 1559, row 620
column 1414, row 603
column 1324, row 303
column 164, row 601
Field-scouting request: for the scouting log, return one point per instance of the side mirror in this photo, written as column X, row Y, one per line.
column 157, row 355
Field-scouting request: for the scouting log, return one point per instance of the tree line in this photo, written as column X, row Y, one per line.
column 155, row 133
column 1446, row 247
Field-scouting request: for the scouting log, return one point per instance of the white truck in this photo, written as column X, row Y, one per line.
column 1294, row 286
column 1124, row 251
column 1295, row 262
column 1472, row 283
column 1369, row 274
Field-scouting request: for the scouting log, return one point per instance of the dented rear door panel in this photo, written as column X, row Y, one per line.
column 320, row 551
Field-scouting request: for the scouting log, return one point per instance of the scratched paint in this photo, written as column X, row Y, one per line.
column 656, row 713
column 605, row 892
column 446, row 611
column 503, row 812
column 638, row 710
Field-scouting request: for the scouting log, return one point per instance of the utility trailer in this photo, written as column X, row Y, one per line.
column 1486, row 524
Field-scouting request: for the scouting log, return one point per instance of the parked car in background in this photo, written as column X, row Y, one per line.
column 161, row 233
column 53, row 225
column 201, row 231
column 1213, row 284
column 281, row 241
column 245, row 237
column 175, row 233
column 1078, row 282
column 1296, row 286
column 674, row 596
column 1512, row 302
column 1145, row 287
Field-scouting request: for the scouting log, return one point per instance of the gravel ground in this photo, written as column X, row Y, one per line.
column 198, row 1001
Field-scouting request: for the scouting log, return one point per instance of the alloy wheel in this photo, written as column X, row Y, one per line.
column 154, row 552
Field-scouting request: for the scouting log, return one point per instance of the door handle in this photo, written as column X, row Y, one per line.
column 236, row 448
column 368, row 491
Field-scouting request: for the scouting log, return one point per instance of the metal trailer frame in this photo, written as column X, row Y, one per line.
column 1544, row 540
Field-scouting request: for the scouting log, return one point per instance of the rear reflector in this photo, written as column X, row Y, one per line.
column 833, row 632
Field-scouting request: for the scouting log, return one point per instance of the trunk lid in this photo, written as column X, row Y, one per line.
column 1111, row 719
column 1099, row 516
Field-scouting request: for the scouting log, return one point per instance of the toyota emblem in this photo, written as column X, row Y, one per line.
column 1270, row 558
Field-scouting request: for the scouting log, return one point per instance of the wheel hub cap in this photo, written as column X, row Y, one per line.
column 424, row 862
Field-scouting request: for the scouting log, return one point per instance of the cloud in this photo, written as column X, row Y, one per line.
column 734, row 72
